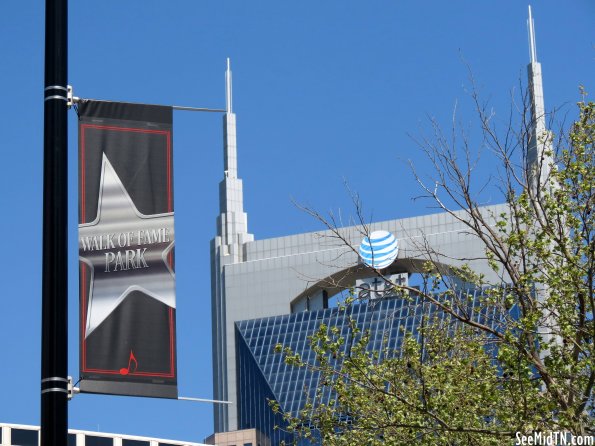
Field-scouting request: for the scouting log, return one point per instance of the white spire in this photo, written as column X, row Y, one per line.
column 539, row 159
column 540, row 164
column 229, row 123
column 232, row 224
column 531, row 31
column 228, row 91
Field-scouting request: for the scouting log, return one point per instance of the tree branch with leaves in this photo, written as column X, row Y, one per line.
column 462, row 377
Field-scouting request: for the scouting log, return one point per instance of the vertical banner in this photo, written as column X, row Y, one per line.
column 126, row 250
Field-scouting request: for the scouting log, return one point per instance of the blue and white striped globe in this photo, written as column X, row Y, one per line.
column 379, row 250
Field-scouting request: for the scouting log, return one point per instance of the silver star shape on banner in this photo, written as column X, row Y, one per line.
column 126, row 251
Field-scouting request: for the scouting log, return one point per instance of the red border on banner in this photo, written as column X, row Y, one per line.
column 167, row 134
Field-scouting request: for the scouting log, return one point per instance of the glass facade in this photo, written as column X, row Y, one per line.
column 255, row 393
column 262, row 374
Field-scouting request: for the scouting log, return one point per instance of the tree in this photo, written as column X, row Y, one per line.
column 461, row 378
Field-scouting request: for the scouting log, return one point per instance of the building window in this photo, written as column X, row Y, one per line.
column 23, row 437
column 247, row 444
column 126, row 442
column 98, row 441
column 71, row 439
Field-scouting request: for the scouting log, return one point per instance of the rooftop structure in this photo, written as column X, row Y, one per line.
column 24, row 435
column 244, row 437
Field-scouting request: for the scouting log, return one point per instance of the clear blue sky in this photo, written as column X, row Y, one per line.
column 322, row 89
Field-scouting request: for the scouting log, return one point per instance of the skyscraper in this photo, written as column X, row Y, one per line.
column 273, row 282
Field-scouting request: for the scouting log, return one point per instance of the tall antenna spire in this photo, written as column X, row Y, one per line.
column 228, row 99
column 531, row 31
column 229, row 122
column 540, row 163
column 539, row 157
column 232, row 226
column 228, row 247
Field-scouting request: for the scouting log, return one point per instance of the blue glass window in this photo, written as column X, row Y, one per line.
column 91, row 440
column 24, row 437
column 127, row 442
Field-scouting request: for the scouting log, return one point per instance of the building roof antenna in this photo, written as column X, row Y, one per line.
column 228, row 101
column 531, row 30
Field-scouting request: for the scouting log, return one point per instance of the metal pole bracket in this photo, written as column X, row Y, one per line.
column 70, row 98
column 71, row 389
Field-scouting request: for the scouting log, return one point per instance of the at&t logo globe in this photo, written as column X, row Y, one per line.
column 379, row 250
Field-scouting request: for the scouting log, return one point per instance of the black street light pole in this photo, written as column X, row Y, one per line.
column 54, row 328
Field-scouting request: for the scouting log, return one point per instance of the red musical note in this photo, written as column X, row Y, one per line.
column 125, row 371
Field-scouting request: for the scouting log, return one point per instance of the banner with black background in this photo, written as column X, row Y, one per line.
column 126, row 250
